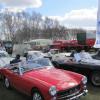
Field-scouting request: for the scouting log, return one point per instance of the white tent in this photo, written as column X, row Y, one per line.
column 97, row 42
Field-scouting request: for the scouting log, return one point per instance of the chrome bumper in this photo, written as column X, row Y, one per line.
column 74, row 97
column 79, row 95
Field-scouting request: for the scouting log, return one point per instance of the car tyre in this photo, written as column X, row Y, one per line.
column 36, row 95
column 0, row 77
column 95, row 79
column 7, row 83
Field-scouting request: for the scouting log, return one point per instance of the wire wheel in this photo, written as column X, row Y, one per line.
column 6, row 83
column 37, row 96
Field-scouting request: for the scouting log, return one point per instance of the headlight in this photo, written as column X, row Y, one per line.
column 52, row 91
column 84, row 79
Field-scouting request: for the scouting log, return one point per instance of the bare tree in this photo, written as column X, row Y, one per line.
column 24, row 26
column 36, row 22
column 8, row 21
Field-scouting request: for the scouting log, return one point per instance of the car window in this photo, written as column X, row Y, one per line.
column 44, row 62
column 54, row 51
column 8, row 45
column 29, row 57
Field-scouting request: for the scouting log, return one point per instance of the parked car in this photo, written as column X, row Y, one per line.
column 31, row 55
column 42, row 81
column 82, row 63
column 4, row 59
column 97, row 55
column 8, row 46
column 60, row 56
column 55, row 54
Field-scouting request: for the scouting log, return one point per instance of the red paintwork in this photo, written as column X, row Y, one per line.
column 43, row 79
column 59, row 44
column 90, row 42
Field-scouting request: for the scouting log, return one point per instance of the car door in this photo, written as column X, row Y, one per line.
column 19, row 82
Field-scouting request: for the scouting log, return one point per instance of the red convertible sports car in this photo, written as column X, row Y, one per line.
column 40, row 80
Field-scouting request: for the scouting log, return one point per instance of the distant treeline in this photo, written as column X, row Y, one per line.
column 24, row 26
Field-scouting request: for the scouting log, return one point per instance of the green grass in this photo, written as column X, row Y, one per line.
column 94, row 94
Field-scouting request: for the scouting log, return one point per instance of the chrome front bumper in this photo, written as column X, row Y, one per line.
column 79, row 95
column 75, row 97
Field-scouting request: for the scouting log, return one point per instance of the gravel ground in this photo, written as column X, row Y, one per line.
column 94, row 94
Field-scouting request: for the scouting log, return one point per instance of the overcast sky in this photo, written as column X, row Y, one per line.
column 72, row 13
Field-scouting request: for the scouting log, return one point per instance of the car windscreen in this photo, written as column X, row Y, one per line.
column 85, row 55
column 8, row 45
column 36, row 64
column 44, row 62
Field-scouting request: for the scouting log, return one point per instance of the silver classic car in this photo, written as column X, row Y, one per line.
column 4, row 58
